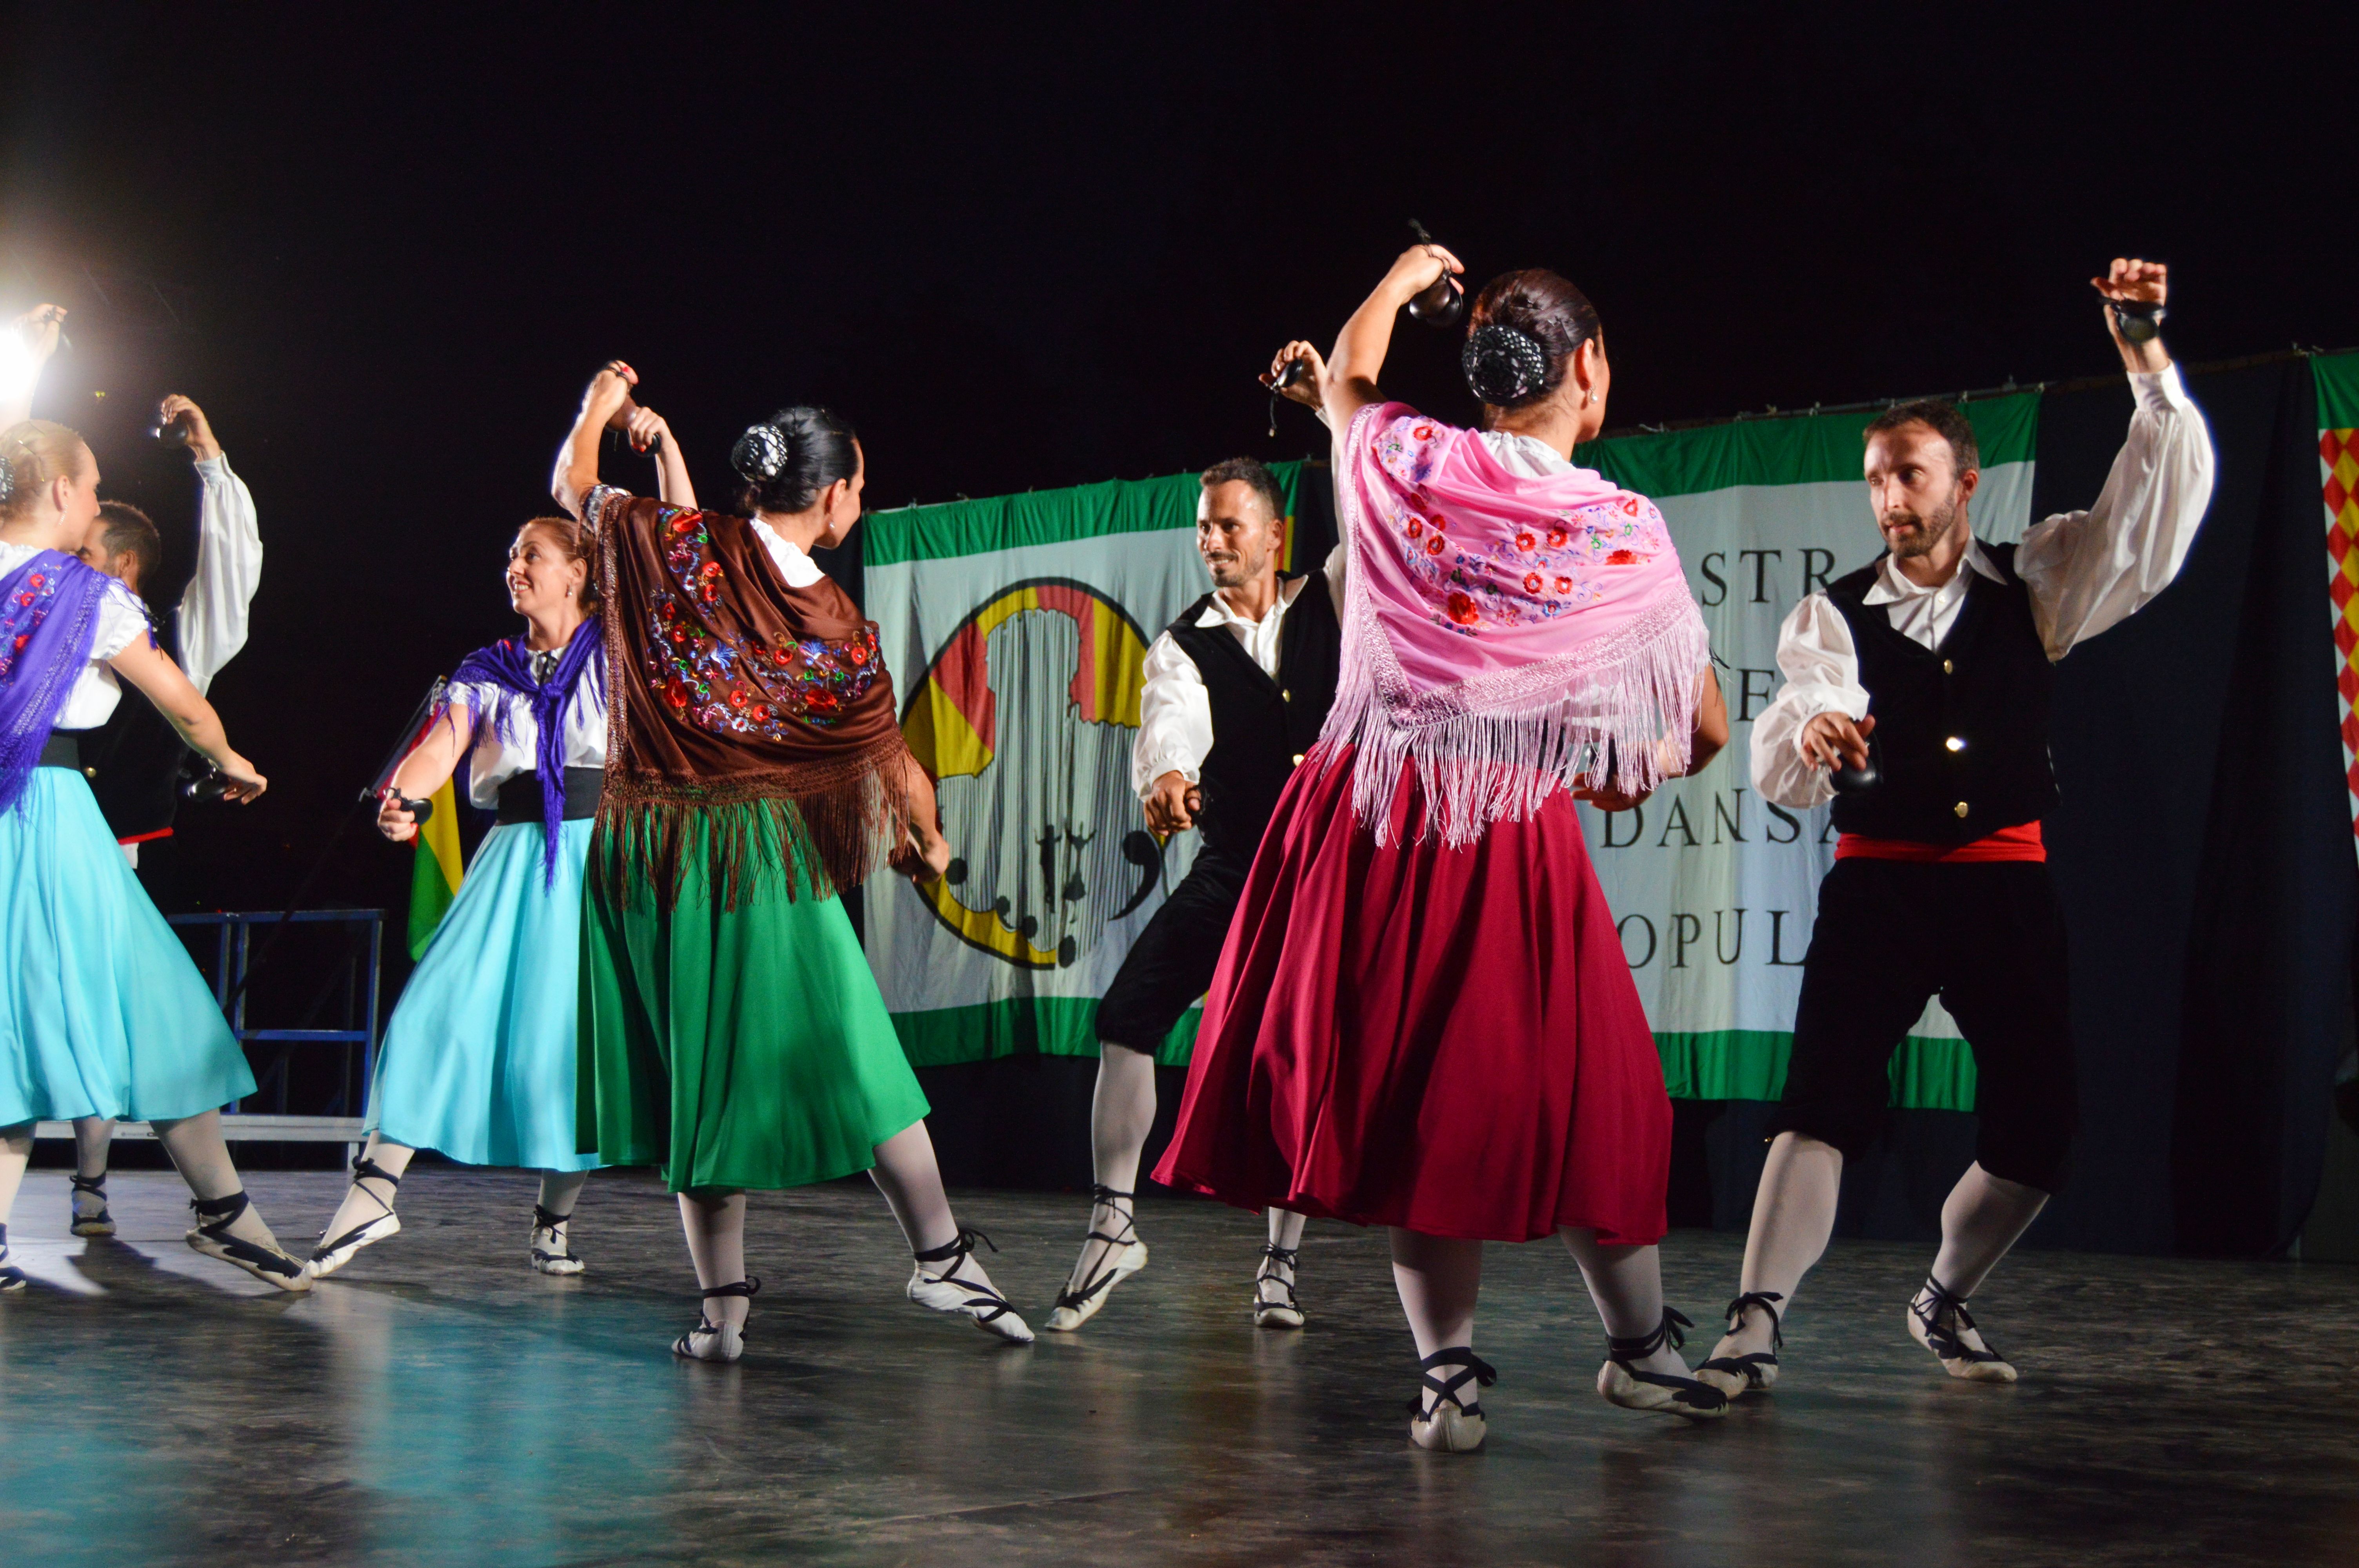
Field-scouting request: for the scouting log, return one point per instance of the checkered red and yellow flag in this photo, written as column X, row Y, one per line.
column 2338, row 462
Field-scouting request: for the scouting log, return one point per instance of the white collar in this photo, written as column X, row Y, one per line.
column 1218, row 612
column 1890, row 587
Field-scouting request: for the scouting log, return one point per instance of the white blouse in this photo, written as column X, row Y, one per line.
column 494, row 761
column 121, row 621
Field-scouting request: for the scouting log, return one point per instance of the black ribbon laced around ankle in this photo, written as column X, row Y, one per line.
column 1942, row 1317
column 1471, row 1368
column 1291, row 1257
column 1637, row 1347
column 1102, row 1197
column 1763, row 1300
column 956, row 1251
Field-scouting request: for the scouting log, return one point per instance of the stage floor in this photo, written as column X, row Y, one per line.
column 438, row 1402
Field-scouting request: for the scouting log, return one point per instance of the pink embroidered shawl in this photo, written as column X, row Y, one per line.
column 1509, row 636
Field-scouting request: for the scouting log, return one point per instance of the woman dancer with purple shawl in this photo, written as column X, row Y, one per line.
column 480, row 1061
column 101, row 1013
column 1423, row 1018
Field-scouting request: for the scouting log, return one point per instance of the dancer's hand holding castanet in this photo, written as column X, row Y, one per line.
column 1172, row 804
column 1304, row 388
column 1832, row 741
column 2130, row 281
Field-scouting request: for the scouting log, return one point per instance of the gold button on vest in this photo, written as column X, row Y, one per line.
column 1961, row 808
column 1285, row 696
column 1948, row 668
column 1298, row 759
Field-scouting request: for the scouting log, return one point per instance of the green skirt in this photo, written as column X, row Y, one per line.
column 743, row 1047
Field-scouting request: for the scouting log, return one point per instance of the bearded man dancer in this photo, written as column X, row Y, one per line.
column 1237, row 690
column 1944, row 653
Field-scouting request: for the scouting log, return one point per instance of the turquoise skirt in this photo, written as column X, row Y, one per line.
column 480, row 1061
column 102, row 1010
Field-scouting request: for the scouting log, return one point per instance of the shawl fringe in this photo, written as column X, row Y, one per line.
column 812, row 834
column 1496, row 747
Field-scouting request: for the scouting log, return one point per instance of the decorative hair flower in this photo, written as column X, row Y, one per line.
column 759, row 453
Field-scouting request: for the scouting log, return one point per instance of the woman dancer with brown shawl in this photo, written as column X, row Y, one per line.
column 731, row 1032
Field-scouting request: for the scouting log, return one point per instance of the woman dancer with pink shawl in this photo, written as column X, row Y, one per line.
column 1423, row 1018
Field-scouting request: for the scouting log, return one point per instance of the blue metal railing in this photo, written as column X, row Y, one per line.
column 232, row 958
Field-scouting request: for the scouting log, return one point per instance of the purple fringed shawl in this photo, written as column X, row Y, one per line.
column 1509, row 636
column 507, row 665
column 49, row 619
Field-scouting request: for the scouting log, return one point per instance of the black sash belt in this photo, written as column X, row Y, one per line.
column 520, row 797
column 63, row 749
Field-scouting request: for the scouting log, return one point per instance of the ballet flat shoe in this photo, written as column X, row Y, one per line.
column 1447, row 1430
column 708, row 1341
column 1619, row 1387
column 1073, row 1309
column 1968, row 1371
column 327, row 1257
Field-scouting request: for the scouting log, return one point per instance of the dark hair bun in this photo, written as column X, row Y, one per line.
column 790, row 457
column 759, row 453
column 1506, row 366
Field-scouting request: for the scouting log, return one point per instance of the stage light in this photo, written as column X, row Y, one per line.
column 19, row 369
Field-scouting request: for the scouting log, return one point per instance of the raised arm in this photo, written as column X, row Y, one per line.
column 649, row 432
column 213, row 610
column 145, row 666
column 430, row 762
column 1350, row 383
column 2088, row 571
column 33, row 338
column 602, row 402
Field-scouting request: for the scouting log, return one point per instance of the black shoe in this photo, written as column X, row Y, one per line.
column 1624, row 1385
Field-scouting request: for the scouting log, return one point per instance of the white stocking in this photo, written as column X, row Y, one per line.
column 195, row 1146
column 1626, row 1284
column 1793, row 1216
column 911, row 1182
column 715, row 1225
column 1122, row 1113
column 1981, row 1217
column 16, row 1150
column 560, row 1191
column 1440, row 1278
column 93, row 1135
column 370, row 1197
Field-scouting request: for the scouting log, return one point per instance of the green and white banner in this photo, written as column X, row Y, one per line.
column 1014, row 629
column 1715, row 888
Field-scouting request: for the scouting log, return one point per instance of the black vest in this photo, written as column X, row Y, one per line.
column 1261, row 727
column 134, row 759
column 1962, row 730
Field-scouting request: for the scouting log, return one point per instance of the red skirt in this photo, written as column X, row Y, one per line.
column 1444, row 1040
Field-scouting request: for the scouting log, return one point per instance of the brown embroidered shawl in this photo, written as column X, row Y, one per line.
column 728, row 688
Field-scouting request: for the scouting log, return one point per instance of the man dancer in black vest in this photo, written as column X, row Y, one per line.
column 1237, row 688
column 1943, row 653
column 133, row 760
